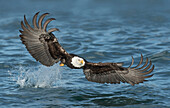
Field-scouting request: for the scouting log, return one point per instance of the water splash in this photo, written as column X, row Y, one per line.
column 43, row 77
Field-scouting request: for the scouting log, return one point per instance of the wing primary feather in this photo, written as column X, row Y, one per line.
column 53, row 29
column 148, row 72
column 23, row 27
column 26, row 23
column 41, row 19
column 46, row 23
column 149, row 76
column 132, row 62
column 144, row 64
column 141, row 60
column 35, row 20
column 20, row 32
column 147, row 67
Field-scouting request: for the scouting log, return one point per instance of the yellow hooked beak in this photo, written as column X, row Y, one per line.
column 81, row 61
column 61, row 64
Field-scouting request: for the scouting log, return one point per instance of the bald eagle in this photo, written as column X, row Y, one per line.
column 45, row 48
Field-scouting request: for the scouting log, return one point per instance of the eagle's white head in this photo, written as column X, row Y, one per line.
column 77, row 62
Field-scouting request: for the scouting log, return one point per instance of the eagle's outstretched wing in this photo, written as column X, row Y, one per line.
column 114, row 73
column 40, row 43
